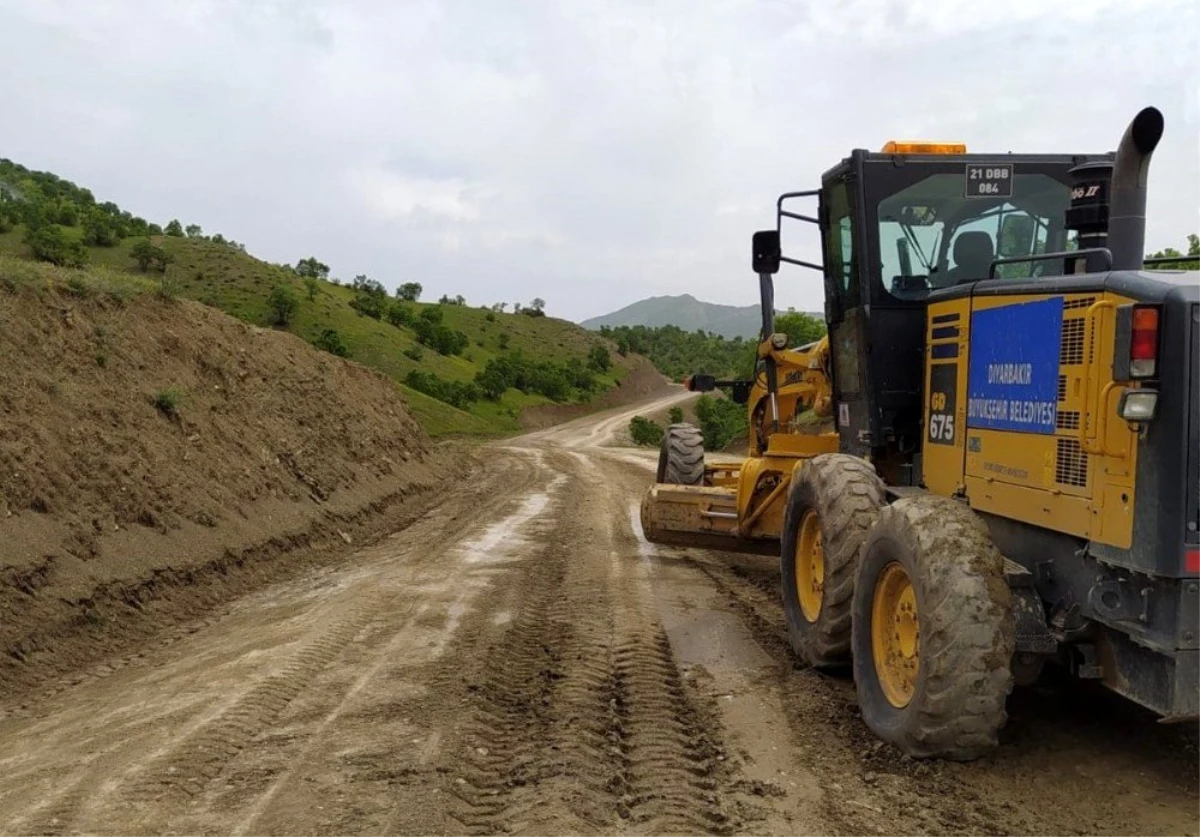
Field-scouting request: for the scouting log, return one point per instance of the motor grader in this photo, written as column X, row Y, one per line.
column 991, row 461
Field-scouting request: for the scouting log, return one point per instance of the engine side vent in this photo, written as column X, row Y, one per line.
column 1072, row 304
column 1062, row 387
column 1071, row 465
column 1067, row 420
column 1073, row 332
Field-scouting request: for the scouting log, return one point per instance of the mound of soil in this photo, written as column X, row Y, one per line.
column 153, row 446
column 641, row 381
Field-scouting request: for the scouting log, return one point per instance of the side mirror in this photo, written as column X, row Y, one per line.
column 766, row 253
column 700, row 383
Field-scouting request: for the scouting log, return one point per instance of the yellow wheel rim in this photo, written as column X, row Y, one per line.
column 895, row 635
column 810, row 567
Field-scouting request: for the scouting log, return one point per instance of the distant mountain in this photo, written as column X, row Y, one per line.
column 688, row 313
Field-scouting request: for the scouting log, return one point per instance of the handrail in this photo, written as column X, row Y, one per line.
column 1091, row 337
column 1045, row 257
column 781, row 213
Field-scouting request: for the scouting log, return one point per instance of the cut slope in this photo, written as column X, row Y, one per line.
column 151, row 445
column 227, row 278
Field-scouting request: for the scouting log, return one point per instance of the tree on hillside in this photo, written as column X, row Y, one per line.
column 310, row 287
column 283, row 304
column 193, row 231
column 100, row 230
column 312, row 267
column 67, row 214
column 174, row 228
column 146, row 255
column 409, row 291
column 536, row 308
column 370, row 296
column 50, row 244
column 599, row 359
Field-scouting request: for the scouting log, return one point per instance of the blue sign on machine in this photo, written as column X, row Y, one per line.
column 1012, row 379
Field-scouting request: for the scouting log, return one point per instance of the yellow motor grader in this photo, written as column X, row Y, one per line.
column 991, row 462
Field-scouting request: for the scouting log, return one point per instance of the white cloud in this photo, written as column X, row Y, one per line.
column 589, row 153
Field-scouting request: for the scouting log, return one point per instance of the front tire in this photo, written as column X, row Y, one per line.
column 681, row 457
column 932, row 636
column 831, row 506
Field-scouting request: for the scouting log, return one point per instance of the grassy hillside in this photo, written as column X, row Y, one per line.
column 464, row 370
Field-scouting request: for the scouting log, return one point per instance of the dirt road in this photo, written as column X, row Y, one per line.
column 520, row 660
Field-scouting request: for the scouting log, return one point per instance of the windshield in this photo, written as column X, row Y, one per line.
column 933, row 235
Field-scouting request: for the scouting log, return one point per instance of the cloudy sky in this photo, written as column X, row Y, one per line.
column 589, row 153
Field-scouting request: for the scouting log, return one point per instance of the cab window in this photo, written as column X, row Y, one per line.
column 932, row 236
column 839, row 245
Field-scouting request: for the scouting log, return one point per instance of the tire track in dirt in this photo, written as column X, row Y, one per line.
column 580, row 720
column 176, row 775
column 668, row 761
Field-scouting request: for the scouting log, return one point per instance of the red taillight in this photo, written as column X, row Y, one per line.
column 1191, row 561
column 1143, row 344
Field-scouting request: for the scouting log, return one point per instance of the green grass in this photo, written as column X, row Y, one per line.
column 239, row 284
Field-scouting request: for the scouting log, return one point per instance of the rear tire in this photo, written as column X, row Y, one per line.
column 832, row 505
column 933, row 635
column 681, row 457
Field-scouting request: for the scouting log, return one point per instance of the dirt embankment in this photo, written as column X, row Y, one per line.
column 640, row 382
column 157, row 456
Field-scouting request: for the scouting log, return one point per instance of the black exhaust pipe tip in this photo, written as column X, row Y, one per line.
column 1146, row 129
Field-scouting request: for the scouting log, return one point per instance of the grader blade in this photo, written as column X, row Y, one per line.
column 701, row 517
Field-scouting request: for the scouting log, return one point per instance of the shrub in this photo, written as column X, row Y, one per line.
column 399, row 315
column 50, row 244
column 720, row 420
column 454, row 393
column 167, row 401
column 440, row 338
column 331, row 341
column 414, row 353
column 554, row 381
column 311, row 287
column 78, row 286
column 599, row 359
column 100, row 230
column 643, row 431
column 283, row 304
column 675, row 415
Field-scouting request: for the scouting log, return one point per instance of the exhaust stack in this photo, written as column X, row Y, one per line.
column 1127, row 190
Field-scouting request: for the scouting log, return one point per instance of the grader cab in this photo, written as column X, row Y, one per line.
column 991, row 462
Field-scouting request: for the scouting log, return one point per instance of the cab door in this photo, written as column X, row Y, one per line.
column 846, row 315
